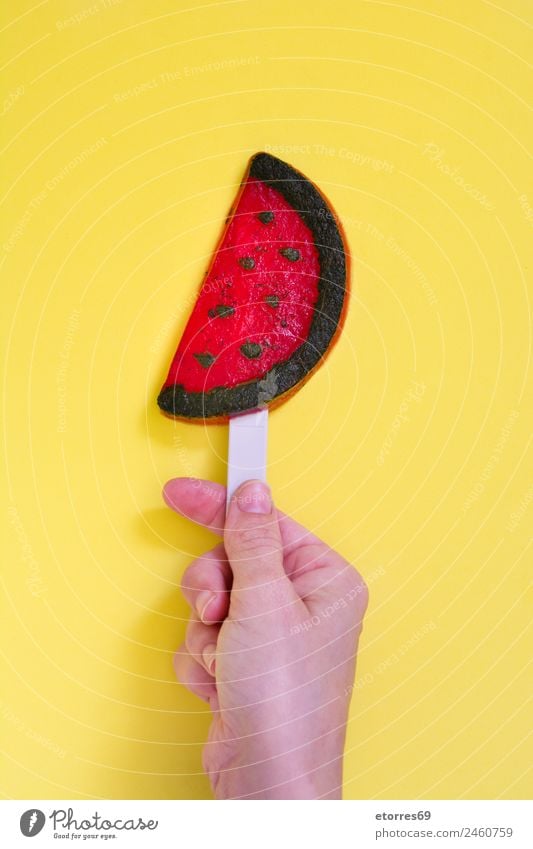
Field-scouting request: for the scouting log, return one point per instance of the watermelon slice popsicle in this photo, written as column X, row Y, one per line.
column 270, row 308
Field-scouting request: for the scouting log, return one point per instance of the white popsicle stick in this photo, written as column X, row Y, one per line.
column 247, row 454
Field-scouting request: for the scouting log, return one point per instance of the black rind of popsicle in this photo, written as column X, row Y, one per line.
column 291, row 254
column 205, row 360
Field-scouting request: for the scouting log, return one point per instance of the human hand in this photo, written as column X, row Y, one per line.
column 271, row 645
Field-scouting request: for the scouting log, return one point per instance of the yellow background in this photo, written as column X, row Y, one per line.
column 126, row 133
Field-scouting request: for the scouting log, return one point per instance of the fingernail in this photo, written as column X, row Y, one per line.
column 209, row 655
column 254, row 497
column 203, row 600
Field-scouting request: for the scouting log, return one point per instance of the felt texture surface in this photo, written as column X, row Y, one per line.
column 271, row 301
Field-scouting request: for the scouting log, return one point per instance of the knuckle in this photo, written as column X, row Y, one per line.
column 317, row 553
column 205, row 572
column 210, row 765
column 364, row 593
column 343, row 571
column 250, row 538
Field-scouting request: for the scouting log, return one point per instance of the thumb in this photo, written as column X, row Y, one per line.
column 253, row 544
